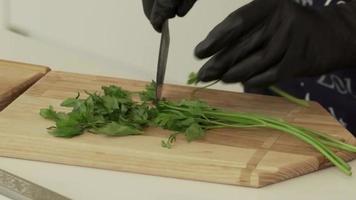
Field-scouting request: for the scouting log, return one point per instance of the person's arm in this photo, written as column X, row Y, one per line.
column 158, row 11
column 267, row 41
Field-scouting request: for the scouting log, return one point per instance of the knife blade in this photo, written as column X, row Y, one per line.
column 17, row 188
column 162, row 59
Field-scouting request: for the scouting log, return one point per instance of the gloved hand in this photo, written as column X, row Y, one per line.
column 158, row 11
column 267, row 41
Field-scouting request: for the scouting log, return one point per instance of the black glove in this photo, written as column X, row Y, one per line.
column 158, row 11
column 267, row 41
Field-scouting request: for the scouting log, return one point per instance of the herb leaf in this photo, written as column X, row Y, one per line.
column 193, row 79
column 49, row 113
column 149, row 94
column 194, row 132
column 116, row 129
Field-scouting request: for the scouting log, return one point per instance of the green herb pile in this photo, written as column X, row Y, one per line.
column 114, row 113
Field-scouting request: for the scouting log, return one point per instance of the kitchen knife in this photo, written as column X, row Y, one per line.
column 162, row 59
column 17, row 188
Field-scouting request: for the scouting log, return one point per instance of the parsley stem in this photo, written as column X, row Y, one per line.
column 203, row 87
column 276, row 124
column 238, row 117
column 289, row 97
column 332, row 141
column 344, row 147
column 232, row 125
column 337, row 161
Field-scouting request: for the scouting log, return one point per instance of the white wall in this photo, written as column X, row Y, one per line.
column 116, row 32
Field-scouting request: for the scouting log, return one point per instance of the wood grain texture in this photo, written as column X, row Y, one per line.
column 15, row 78
column 248, row 157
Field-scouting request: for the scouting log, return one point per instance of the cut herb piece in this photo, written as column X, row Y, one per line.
column 193, row 78
column 170, row 141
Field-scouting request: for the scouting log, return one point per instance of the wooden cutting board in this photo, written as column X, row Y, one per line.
column 248, row 157
column 15, row 78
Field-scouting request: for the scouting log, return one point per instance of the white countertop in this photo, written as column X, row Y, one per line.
column 86, row 183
